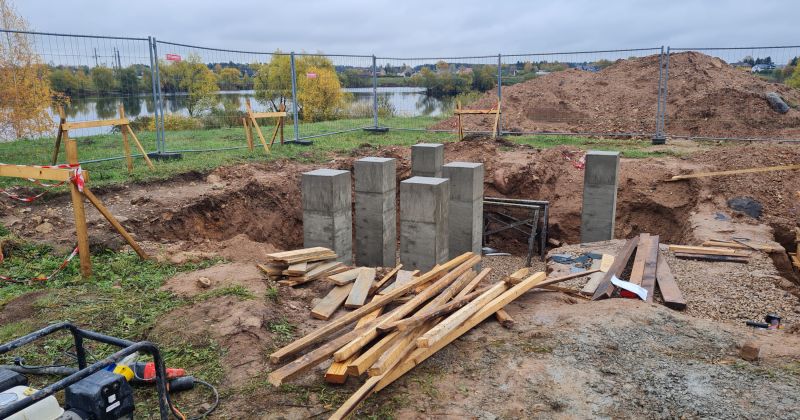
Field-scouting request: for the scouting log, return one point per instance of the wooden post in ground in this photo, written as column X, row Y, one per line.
column 81, row 229
column 126, row 146
column 248, row 132
column 62, row 119
column 460, row 129
column 282, row 120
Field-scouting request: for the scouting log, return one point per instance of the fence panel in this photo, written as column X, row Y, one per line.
column 334, row 93
column 721, row 93
column 89, row 76
column 612, row 92
column 421, row 93
column 205, row 92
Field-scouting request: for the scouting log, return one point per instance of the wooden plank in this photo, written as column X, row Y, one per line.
column 345, row 277
column 433, row 290
column 594, row 279
column 606, row 262
column 673, row 298
column 419, row 319
column 297, row 269
column 248, row 133
column 276, row 114
column 403, row 277
column 736, row 172
column 605, row 288
column 721, row 258
column 361, row 286
column 114, row 222
column 126, row 146
column 648, row 280
column 314, row 275
column 419, row 355
column 362, row 363
column 460, row 316
column 93, row 124
column 81, row 228
column 474, row 111
column 723, row 244
column 378, row 284
column 326, row 307
column 504, row 319
column 298, row 255
column 518, row 275
column 337, row 372
column 139, row 146
column 271, row 269
column 46, row 174
column 341, row 322
column 637, row 271
column 686, row 249
column 474, row 283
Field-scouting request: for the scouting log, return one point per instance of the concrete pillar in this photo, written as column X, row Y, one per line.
column 466, row 207
column 427, row 159
column 423, row 222
column 327, row 212
column 599, row 196
column 376, row 212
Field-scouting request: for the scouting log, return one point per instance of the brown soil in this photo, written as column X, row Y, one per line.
column 707, row 98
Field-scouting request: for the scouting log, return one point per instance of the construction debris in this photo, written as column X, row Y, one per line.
column 293, row 268
column 391, row 336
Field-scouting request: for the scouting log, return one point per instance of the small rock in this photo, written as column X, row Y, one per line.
column 44, row 228
column 204, row 282
column 750, row 351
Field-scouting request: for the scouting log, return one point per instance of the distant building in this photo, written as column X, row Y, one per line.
column 758, row 68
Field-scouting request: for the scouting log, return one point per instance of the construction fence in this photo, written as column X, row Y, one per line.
column 187, row 98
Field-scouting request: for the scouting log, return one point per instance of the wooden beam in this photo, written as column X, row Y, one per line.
column 93, row 124
column 637, row 271
column 326, row 307
column 716, row 243
column 62, row 119
column 126, row 146
column 47, row 174
column 650, row 263
column 277, row 114
column 139, row 146
column 474, row 283
column 81, row 229
column 475, row 111
column 361, row 287
column 346, row 319
column 736, row 172
column 419, row 319
column 403, row 277
column 248, row 134
column 419, row 355
column 605, row 288
column 378, row 284
column 459, row 317
column 114, row 222
column 345, row 277
column 337, row 372
column 711, row 257
column 686, row 249
column 673, row 298
column 504, row 319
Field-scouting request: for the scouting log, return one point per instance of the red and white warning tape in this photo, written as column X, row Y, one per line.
column 53, row 274
column 579, row 163
column 77, row 178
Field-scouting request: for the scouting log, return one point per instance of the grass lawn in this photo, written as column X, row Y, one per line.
column 114, row 172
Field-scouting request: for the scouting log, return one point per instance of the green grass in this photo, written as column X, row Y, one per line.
column 39, row 151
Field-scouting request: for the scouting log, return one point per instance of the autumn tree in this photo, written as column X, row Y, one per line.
column 273, row 81
column 198, row 82
column 25, row 92
column 103, row 79
column 230, row 78
column 320, row 94
column 794, row 81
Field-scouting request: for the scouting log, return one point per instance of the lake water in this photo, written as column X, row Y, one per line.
column 405, row 102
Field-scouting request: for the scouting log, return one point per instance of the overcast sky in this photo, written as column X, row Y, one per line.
column 414, row 28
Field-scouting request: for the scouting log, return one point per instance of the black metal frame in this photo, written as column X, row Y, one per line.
column 537, row 207
column 78, row 334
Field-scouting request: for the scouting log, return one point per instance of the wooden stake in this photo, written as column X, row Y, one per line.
column 81, row 230
column 139, row 146
column 114, row 222
column 248, row 134
column 736, row 172
column 62, row 119
column 126, row 147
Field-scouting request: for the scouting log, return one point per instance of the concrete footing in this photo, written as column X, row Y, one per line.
column 427, row 160
column 599, row 196
column 424, row 222
column 465, row 207
column 376, row 212
column 327, row 212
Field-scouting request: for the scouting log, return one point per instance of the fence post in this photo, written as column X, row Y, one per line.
column 664, row 97
column 374, row 92
column 294, row 98
column 499, row 93
column 658, row 137
column 159, row 103
column 155, row 94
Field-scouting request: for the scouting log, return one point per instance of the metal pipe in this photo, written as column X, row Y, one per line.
column 294, row 98
column 374, row 92
column 664, row 97
column 155, row 93
column 160, row 135
column 499, row 93
column 13, row 31
column 660, row 88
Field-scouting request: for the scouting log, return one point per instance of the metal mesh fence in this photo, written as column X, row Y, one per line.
column 205, row 94
column 334, row 93
column 88, row 77
column 421, row 93
column 722, row 93
column 612, row 92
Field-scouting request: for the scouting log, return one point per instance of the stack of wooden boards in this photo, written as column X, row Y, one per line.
column 649, row 269
column 402, row 325
column 715, row 252
column 293, row 268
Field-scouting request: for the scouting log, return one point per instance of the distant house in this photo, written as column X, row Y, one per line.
column 465, row 70
column 587, row 67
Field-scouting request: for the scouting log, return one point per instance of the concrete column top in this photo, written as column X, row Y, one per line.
column 375, row 174
column 466, row 180
column 326, row 172
column 326, row 190
column 426, row 180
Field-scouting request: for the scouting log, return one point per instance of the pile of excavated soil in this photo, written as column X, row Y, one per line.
column 707, row 98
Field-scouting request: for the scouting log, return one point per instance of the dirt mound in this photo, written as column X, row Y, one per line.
column 223, row 275
column 707, row 97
